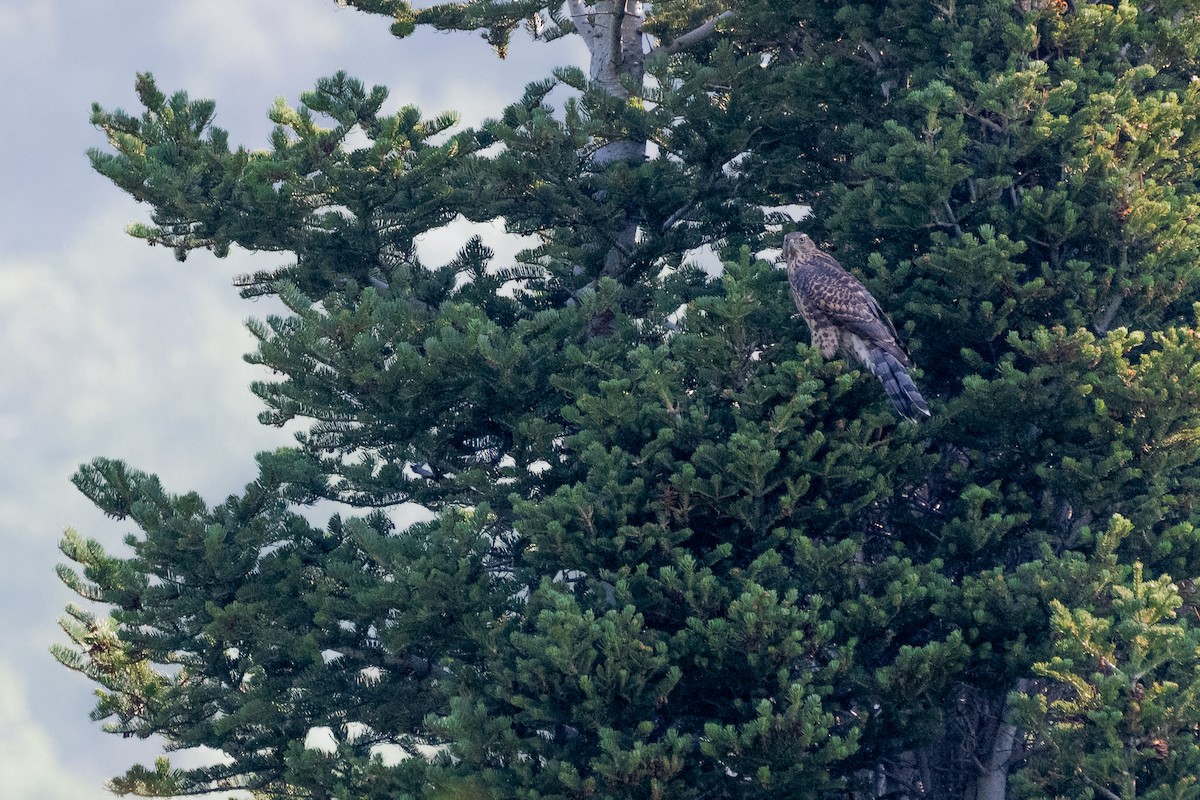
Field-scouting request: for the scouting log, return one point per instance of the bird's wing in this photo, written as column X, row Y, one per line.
column 828, row 290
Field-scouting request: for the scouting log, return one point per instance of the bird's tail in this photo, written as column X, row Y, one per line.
column 898, row 386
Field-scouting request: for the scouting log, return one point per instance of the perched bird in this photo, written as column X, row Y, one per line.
column 843, row 315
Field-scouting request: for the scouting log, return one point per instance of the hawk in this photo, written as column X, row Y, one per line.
column 843, row 315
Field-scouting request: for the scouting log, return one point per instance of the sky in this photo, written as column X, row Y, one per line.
column 111, row 348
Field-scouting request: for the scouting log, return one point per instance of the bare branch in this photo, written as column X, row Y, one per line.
column 1102, row 790
column 984, row 121
column 1110, row 312
column 1118, row 297
column 678, row 215
column 415, row 665
column 692, row 37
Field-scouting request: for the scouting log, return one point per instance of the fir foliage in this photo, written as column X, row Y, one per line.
column 676, row 554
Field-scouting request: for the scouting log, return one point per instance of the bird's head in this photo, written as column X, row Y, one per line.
column 797, row 244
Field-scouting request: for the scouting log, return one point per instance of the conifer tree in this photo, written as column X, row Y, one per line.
column 676, row 553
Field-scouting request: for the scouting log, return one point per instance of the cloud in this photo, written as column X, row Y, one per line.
column 229, row 38
column 110, row 348
column 442, row 245
column 114, row 348
column 29, row 25
column 31, row 768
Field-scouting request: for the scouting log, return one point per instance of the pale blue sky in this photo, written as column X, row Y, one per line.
column 111, row 348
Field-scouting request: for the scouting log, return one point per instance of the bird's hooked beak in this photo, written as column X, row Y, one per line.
column 794, row 244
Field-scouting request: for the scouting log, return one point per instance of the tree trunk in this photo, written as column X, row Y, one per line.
column 612, row 30
column 993, row 774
